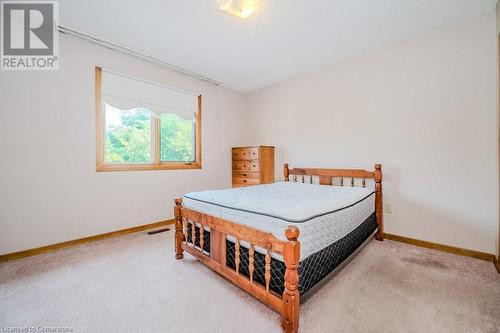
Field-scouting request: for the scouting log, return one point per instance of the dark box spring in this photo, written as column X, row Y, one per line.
column 311, row 270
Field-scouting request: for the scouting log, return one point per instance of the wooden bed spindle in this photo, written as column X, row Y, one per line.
column 185, row 226
column 237, row 255
column 325, row 180
column 310, row 179
column 352, row 182
column 341, row 181
column 286, row 172
column 193, row 233
column 363, row 183
column 302, row 178
column 202, row 239
column 251, row 261
column 295, row 178
column 267, row 274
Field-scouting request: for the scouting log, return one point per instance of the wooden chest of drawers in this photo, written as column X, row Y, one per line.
column 253, row 165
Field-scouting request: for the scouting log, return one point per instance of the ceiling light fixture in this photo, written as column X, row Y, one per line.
column 240, row 8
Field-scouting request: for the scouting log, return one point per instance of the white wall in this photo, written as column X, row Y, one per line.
column 49, row 189
column 498, row 108
column 425, row 108
column 498, row 16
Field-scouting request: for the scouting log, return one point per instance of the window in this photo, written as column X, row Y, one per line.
column 145, row 126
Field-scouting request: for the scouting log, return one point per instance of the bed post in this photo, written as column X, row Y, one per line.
column 286, row 171
column 378, row 202
column 291, row 295
column 178, row 229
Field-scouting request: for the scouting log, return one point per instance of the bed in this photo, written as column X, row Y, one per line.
column 251, row 235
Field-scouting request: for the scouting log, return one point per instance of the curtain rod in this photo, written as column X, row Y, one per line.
column 134, row 53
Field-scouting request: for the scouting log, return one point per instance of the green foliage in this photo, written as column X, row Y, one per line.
column 176, row 138
column 130, row 141
column 128, row 137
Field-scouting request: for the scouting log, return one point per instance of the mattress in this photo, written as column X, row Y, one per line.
column 324, row 214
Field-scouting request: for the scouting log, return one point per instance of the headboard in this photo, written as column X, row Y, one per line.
column 326, row 175
column 326, row 178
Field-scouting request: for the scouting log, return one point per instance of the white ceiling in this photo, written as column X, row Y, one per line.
column 284, row 38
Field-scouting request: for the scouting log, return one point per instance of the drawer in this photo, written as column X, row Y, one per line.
column 250, row 153
column 252, row 166
column 243, row 174
column 245, row 181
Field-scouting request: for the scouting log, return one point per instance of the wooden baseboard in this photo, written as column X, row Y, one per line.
column 497, row 263
column 446, row 248
column 53, row 247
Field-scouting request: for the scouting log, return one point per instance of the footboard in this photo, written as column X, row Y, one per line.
column 190, row 237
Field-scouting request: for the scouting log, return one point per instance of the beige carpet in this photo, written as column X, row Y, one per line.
column 133, row 284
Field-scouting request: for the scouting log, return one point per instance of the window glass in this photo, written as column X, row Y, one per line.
column 128, row 135
column 177, row 136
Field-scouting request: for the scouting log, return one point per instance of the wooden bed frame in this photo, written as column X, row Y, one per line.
column 287, row 304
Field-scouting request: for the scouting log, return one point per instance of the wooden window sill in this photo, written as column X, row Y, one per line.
column 144, row 167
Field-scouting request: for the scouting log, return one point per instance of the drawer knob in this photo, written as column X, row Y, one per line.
column 244, row 180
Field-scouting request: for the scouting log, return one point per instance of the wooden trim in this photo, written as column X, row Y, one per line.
column 156, row 163
column 497, row 263
column 99, row 120
column 446, row 248
column 198, row 134
column 145, row 167
column 53, row 247
column 355, row 173
column 155, row 139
